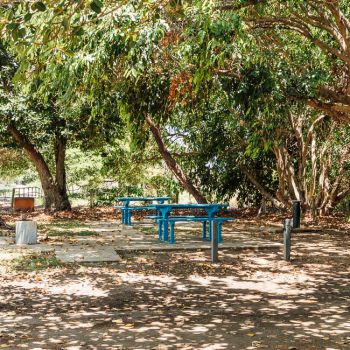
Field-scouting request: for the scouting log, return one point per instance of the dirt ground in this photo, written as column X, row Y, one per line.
column 179, row 300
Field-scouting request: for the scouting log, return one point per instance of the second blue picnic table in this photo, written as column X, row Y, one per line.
column 126, row 208
column 165, row 210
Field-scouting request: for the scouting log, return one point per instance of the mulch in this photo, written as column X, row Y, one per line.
column 338, row 221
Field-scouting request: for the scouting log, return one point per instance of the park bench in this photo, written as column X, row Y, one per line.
column 173, row 219
column 127, row 211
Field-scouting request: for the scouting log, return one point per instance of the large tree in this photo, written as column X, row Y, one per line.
column 29, row 125
column 90, row 48
column 319, row 26
column 32, row 119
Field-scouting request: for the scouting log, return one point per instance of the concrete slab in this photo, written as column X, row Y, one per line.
column 113, row 238
column 38, row 248
column 198, row 246
column 13, row 251
column 86, row 254
column 8, row 255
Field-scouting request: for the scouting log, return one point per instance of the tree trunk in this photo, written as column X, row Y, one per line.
column 55, row 193
column 172, row 165
column 261, row 188
column 61, row 201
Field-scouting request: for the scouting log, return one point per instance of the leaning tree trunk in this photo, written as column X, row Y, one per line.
column 55, row 193
column 263, row 191
column 172, row 164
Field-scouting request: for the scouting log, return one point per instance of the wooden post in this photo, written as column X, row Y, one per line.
column 214, row 242
column 287, row 239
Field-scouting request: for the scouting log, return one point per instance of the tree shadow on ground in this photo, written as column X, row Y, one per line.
column 251, row 300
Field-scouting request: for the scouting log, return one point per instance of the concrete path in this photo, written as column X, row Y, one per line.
column 143, row 237
column 112, row 237
column 82, row 253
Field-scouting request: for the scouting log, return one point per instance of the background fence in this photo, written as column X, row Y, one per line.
column 7, row 196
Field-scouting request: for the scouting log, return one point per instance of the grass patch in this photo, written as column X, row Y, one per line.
column 67, row 224
column 83, row 233
column 149, row 230
column 35, row 261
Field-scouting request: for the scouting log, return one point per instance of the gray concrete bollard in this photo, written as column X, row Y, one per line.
column 26, row 232
column 214, row 242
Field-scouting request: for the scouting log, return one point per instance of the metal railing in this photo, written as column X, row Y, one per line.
column 33, row 192
column 7, row 196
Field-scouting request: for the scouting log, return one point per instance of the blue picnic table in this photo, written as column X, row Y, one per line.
column 166, row 209
column 127, row 209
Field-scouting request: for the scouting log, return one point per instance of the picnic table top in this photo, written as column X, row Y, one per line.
column 190, row 205
column 142, row 199
column 211, row 209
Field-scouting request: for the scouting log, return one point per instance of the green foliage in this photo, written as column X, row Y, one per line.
column 94, row 70
column 13, row 164
column 83, row 167
column 164, row 185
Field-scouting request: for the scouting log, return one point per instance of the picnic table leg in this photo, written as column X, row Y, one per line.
column 166, row 230
column 158, row 213
column 210, row 230
column 219, row 232
column 160, row 226
column 126, row 213
column 129, row 216
column 122, row 215
column 204, row 230
column 172, row 232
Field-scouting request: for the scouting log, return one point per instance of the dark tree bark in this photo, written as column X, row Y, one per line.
column 62, row 201
column 172, row 165
column 264, row 192
column 55, row 190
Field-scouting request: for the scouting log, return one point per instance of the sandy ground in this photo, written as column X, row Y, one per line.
column 179, row 300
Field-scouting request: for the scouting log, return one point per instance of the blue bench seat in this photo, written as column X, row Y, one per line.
column 147, row 207
column 157, row 217
column 172, row 220
column 127, row 211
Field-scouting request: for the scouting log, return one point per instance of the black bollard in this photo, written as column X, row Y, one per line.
column 296, row 214
column 214, row 242
column 287, row 239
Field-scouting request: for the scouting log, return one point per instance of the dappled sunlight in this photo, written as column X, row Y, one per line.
column 178, row 300
column 173, row 310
